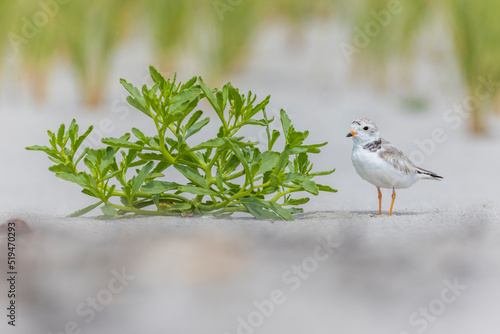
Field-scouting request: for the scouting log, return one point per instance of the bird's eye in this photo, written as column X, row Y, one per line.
column 365, row 128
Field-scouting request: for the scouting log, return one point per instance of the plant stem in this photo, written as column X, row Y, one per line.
column 234, row 176
column 281, row 194
column 142, row 212
column 161, row 139
column 163, row 196
column 269, row 146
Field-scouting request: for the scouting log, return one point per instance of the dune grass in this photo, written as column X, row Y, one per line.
column 473, row 28
column 85, row 34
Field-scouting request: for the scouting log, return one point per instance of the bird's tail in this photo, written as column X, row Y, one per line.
column 426, row 174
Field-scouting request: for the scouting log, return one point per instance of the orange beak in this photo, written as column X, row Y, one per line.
column 352, row 133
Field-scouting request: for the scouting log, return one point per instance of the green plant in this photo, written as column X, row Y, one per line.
column 224, row 175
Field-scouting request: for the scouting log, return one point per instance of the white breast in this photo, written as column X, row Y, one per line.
column 374, row 169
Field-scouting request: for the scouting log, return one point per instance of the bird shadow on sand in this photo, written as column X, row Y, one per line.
column 355, row 214
column 371, row 213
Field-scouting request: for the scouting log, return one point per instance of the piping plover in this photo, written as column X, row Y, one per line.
column 381, row 163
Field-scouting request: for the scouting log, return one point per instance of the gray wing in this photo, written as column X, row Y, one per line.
column 400, row 161
column 396, row 158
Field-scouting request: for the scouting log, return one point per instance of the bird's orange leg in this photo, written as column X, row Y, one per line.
column 392, row 203
column 379, row 203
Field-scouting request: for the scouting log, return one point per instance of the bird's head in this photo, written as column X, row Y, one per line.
column 363, row 131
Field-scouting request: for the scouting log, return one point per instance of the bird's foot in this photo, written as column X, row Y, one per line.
column 378, row 214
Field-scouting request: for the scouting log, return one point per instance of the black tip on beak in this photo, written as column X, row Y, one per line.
column 349, row 135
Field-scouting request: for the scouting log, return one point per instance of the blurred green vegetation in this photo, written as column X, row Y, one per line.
column 219, row 34
column 473, row 29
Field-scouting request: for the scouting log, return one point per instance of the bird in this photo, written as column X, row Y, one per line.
column 380, row 163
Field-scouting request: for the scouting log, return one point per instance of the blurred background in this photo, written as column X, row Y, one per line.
column 427, row 72
column 218, row 38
